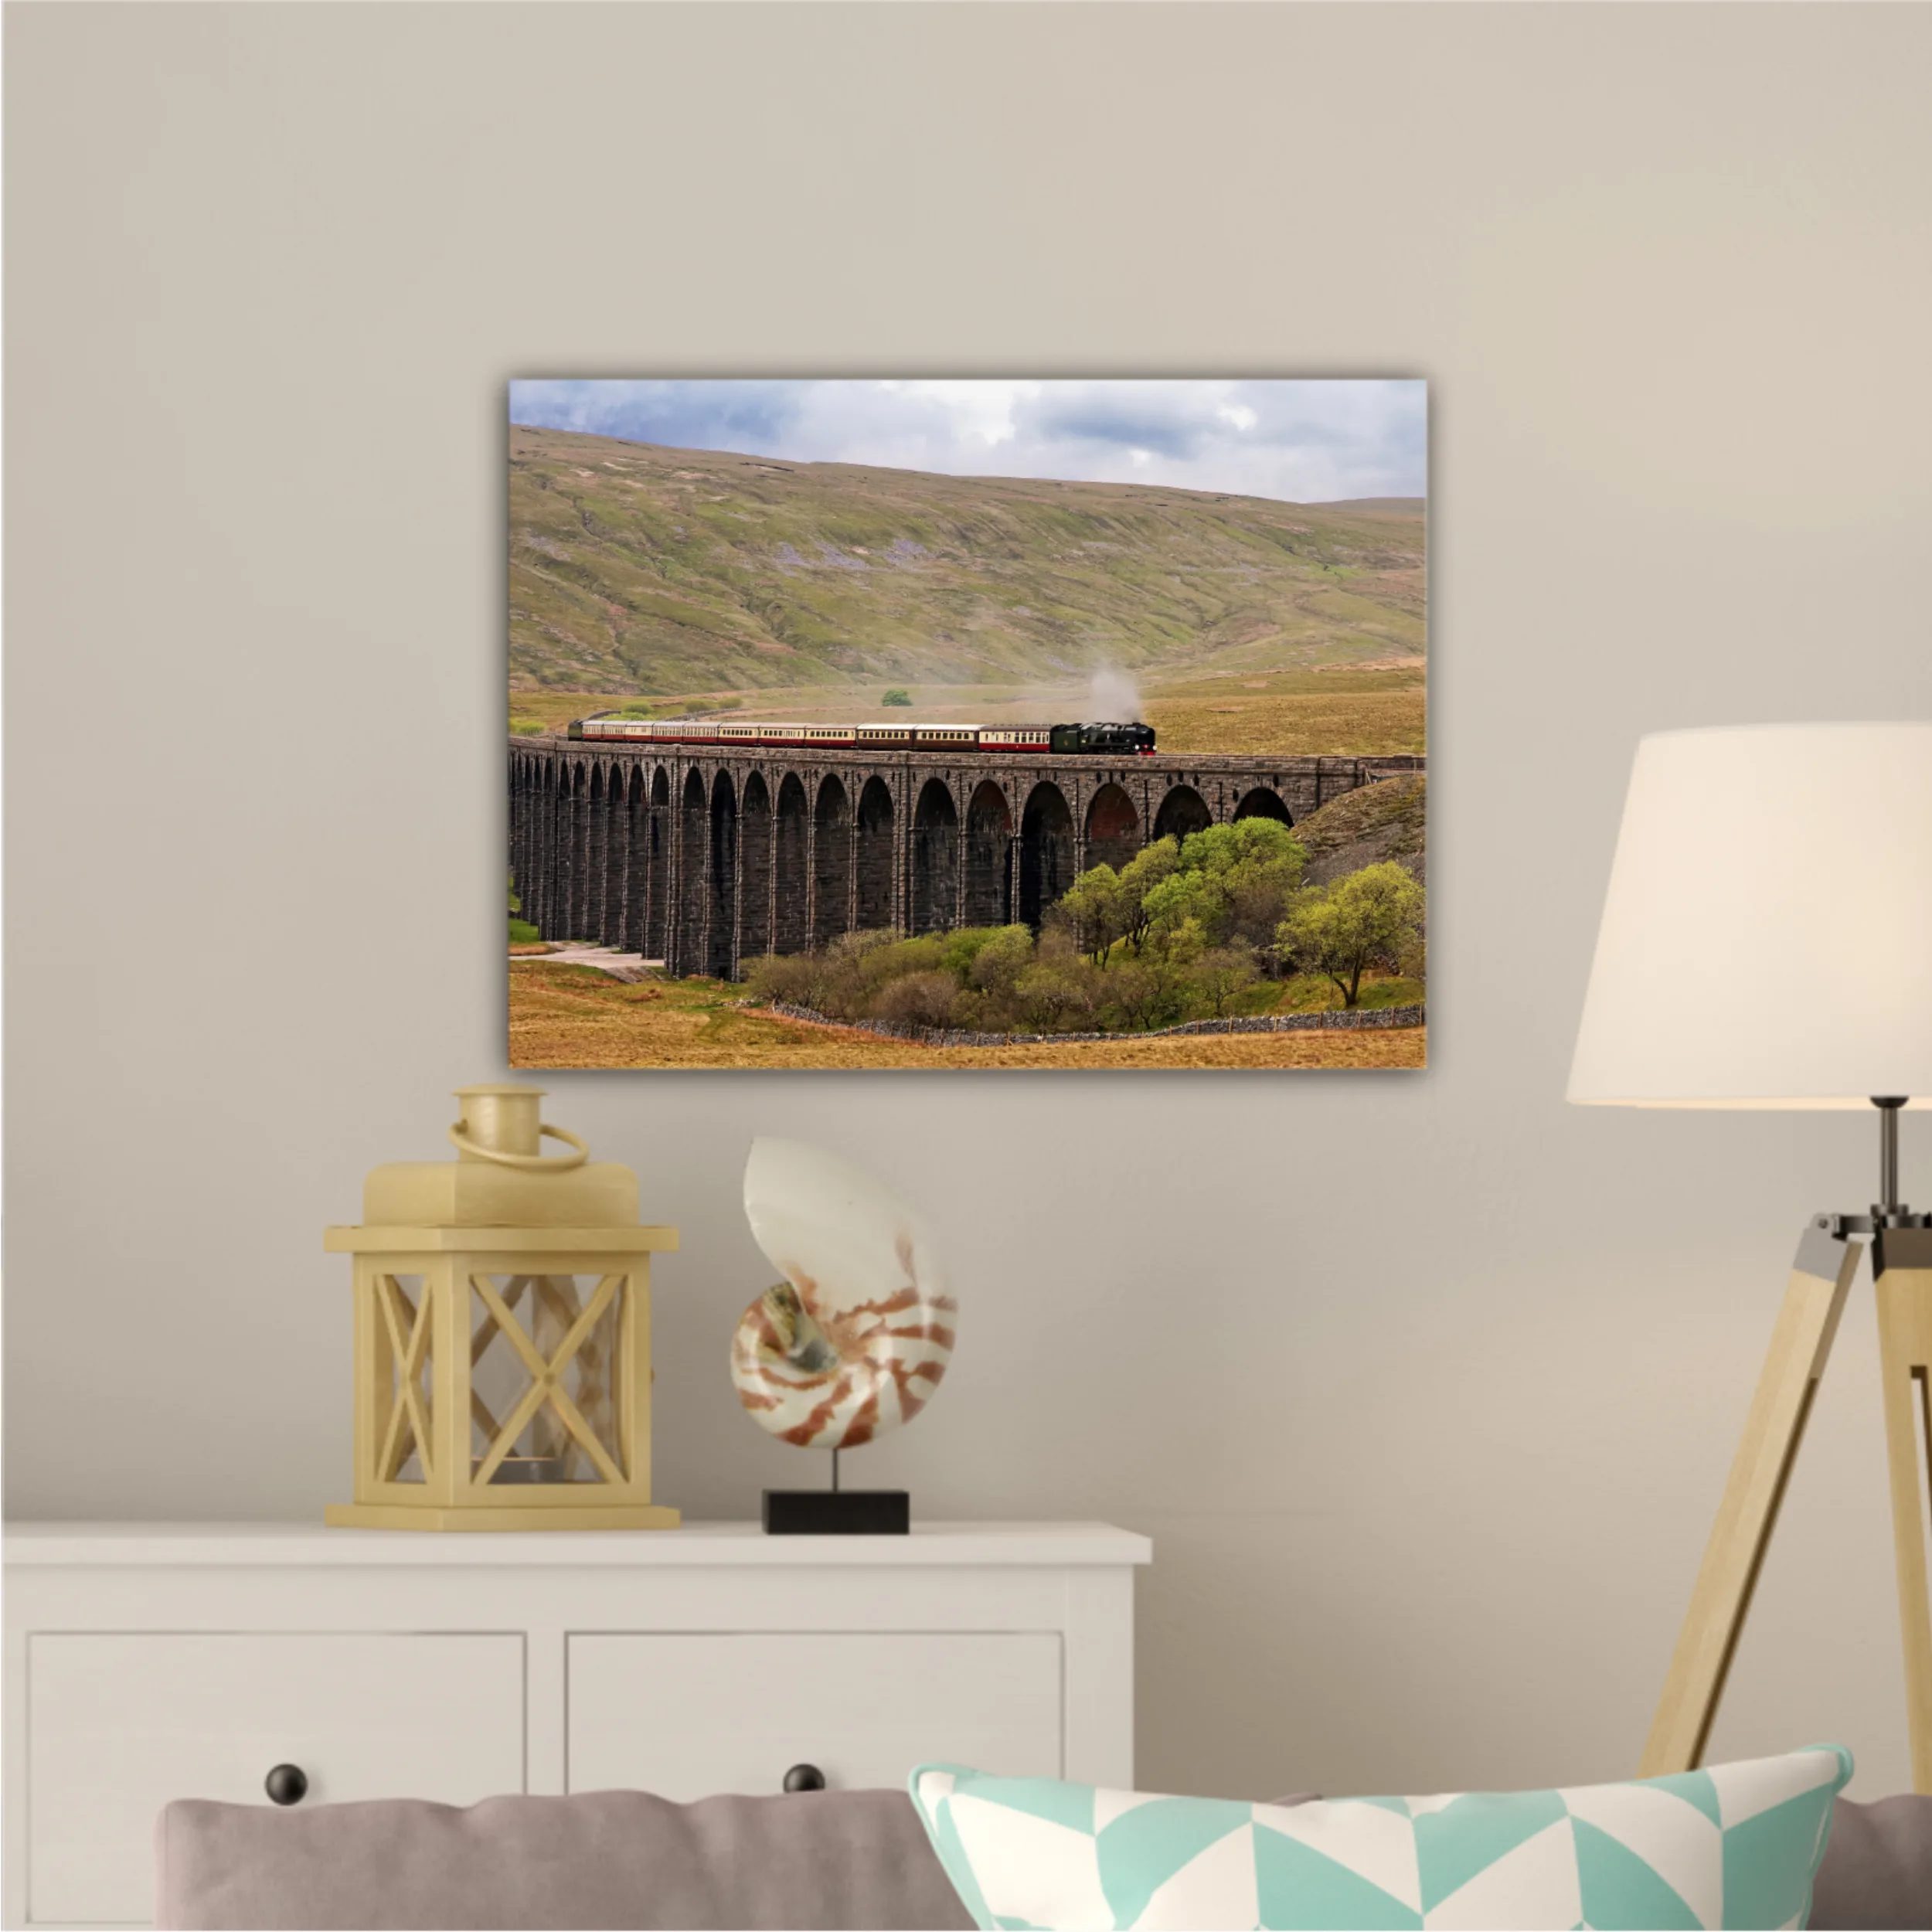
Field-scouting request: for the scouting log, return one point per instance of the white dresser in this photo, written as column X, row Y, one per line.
column 150, row 1661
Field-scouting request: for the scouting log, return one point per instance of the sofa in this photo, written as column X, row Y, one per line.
column 624, row 1859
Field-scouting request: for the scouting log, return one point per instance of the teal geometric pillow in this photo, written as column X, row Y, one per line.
column 1736, row 1846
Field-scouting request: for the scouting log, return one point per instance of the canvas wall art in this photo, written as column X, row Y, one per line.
column 967, row 724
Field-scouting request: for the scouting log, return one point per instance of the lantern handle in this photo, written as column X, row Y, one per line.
column 539, row 1163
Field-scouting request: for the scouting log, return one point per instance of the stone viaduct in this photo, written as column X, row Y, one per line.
column 707, row 859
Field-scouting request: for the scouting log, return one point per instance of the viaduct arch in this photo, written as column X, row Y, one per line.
column 705, row 859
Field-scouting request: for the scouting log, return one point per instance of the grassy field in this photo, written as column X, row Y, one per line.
column 1316, row 993
column 574, row 1016
column 1355, row 710
column 1295, row 713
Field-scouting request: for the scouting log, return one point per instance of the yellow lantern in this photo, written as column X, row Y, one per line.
column 502, row 1333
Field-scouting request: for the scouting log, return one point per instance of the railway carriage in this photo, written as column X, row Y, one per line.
column 1130, row 740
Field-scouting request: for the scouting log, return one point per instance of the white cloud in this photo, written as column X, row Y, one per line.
column 1305, row 441
column 982, row 410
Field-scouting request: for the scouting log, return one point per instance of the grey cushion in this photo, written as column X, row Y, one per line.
column 1878, row 1866
column 607, row 1859
column 620, row 1858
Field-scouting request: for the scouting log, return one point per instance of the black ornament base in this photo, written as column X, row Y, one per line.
column 838, row 1513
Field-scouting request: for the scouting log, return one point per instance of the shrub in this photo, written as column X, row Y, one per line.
column 970, row 1013
column 1055, row 997
column 787, row 977
column 997, row 965
column 837, row 987
column 895, row 958
column 1223, row 973
column 897, row 696
column 917, row 999
column 1139, row 994
column 521, row 932
column 958, row 950
column 1059, row 992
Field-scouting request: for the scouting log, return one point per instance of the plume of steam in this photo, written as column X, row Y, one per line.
column 1113, row 697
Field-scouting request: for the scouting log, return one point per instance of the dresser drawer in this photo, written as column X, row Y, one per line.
column 119, row 1724
column 687, row 1715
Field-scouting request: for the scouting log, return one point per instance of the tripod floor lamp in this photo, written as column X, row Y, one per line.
column 1766, row 942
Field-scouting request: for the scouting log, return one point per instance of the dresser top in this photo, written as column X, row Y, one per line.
column 1048, row 1545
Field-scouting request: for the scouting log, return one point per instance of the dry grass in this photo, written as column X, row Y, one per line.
column 1347, row 710
column 535, row 712
column 566, row 1016
column 1295, row 724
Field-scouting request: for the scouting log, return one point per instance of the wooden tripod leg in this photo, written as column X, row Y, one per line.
column 1901, row 1261
column 1820, row 1278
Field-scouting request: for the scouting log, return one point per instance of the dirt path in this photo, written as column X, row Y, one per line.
column 628, row 968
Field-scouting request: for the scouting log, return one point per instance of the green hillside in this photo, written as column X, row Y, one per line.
column 635, row 569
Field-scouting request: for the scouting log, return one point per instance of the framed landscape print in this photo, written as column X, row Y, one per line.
column 967, row 724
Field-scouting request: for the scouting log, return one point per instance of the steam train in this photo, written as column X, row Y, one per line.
column 1118, row 740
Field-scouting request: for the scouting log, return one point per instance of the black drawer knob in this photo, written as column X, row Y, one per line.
column 287, row 1784
column 804, row 1777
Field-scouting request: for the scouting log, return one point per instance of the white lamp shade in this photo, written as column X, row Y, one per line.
column 1766, row 938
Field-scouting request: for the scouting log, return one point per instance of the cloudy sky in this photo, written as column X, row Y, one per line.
column 1304, row 442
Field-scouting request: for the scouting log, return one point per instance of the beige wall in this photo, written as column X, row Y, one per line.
column 1424, row 1386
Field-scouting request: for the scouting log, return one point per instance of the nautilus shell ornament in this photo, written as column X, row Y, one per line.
column 855, row 1339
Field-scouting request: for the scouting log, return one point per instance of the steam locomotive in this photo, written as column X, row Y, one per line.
column 1117, row 740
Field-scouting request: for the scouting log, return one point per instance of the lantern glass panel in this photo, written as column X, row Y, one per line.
column 403, row 1312
column 567, row 1326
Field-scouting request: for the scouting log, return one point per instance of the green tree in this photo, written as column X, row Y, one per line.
column 1375, row 914
column 996, row 973
column 1234, row 881
column 1138, row 877
column 1059, row 991
column 1142, row 993
column 1097, row 907
column 897, row 696
column 1223, row 973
